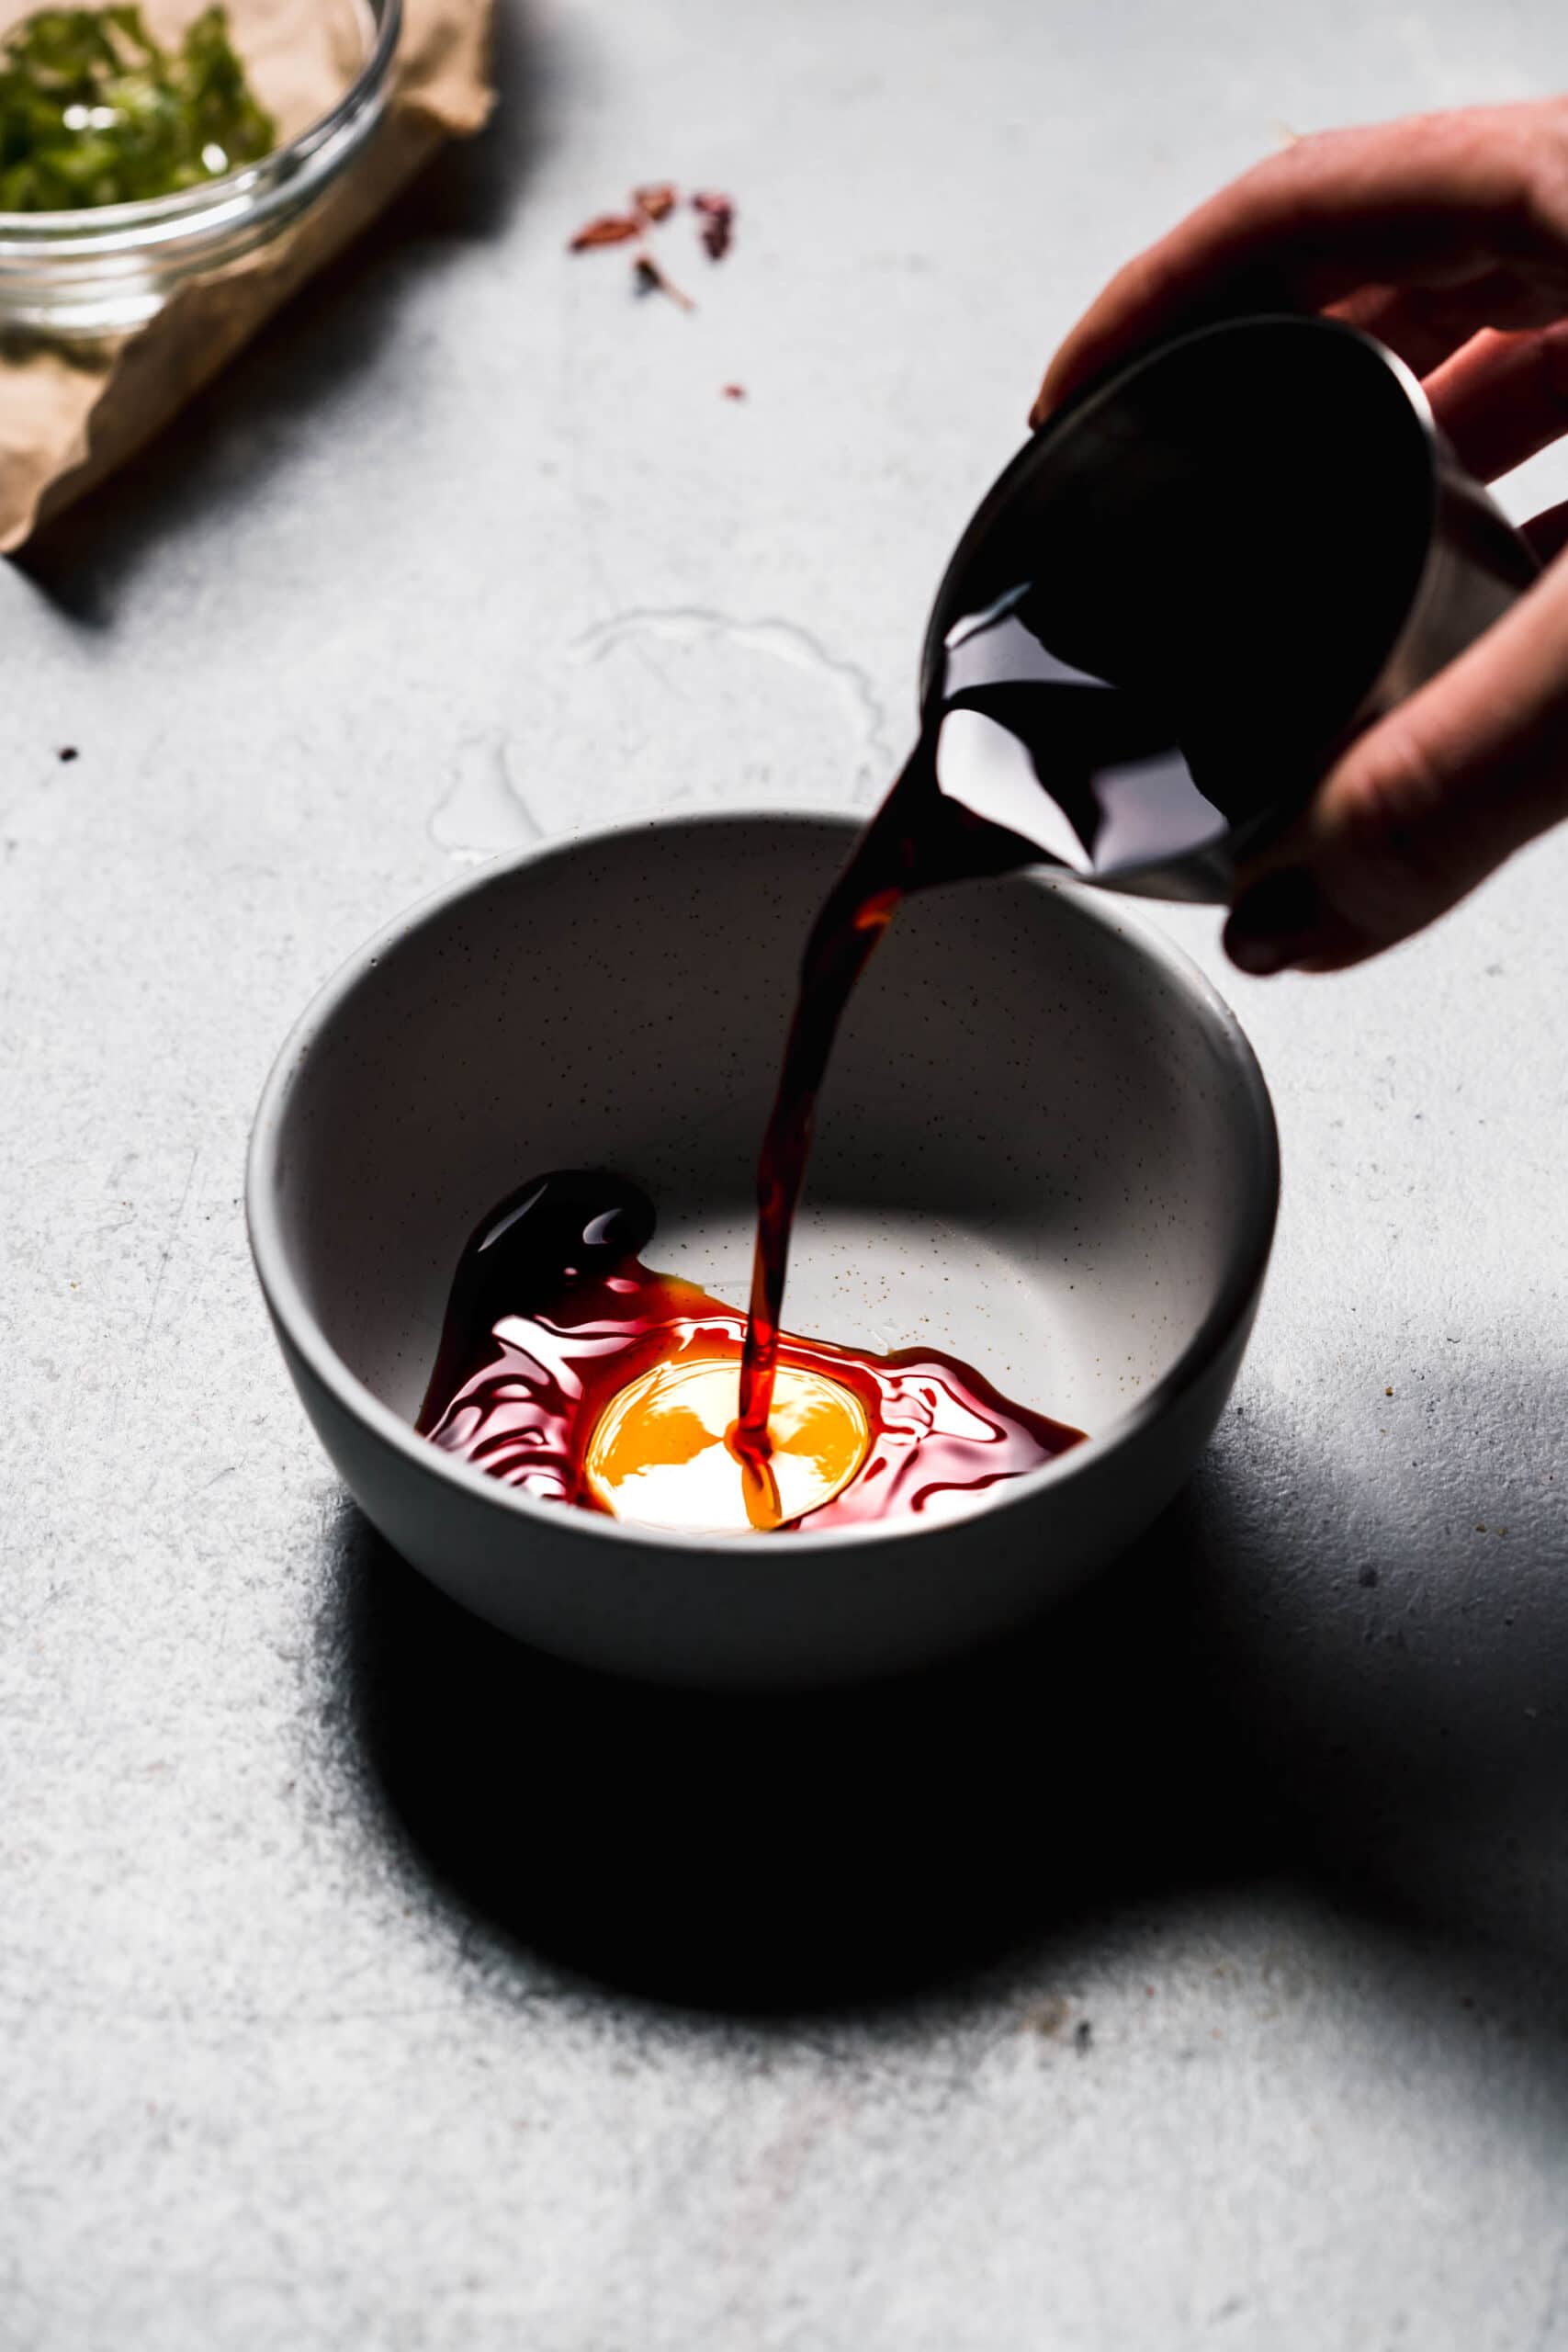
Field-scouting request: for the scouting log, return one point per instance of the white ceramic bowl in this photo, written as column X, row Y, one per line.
column 1044, row 1145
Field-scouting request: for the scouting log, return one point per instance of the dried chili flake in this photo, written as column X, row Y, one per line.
column 657, row 201
column 650, row 279
column 719, row 222
column 607, row 229
column 732, row 391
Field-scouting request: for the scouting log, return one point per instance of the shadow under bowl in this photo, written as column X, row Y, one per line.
column 1044, row 1146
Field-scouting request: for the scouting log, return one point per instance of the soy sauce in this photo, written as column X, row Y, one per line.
column 554, row 1319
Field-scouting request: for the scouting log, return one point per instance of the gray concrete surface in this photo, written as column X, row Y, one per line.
column 1193, row 1976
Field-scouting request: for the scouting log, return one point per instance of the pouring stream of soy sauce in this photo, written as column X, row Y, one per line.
column 1022, row 759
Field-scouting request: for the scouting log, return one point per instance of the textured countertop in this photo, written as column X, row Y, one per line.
column 1195, row 1976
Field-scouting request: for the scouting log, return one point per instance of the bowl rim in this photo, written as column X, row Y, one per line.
column 1247, row 1262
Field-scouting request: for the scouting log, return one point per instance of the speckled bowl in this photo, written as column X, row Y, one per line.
column 1044, row 1146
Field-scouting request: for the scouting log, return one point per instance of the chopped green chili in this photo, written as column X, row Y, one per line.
column 93, row 111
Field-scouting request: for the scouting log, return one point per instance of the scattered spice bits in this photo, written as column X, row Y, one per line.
column 67, row 752
column 651, row 205
column 719, row 223
column 608, row 229
column 733, row 391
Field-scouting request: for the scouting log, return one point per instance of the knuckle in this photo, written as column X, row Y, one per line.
column 1309, row 155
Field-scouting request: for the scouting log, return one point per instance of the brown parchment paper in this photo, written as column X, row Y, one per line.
column 68, row 417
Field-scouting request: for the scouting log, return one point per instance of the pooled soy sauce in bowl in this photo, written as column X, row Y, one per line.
column 572, row 1370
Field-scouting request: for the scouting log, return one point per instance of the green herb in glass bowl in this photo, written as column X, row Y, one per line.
column 93, row 111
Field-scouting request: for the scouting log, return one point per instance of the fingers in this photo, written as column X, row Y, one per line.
column 1503, row 397
column 1425, row 805
column 1471, row 208
column 1428, row 326
column 1407, row 321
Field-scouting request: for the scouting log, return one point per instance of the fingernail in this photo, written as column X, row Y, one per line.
column 1048, row 400
column 1272, row 925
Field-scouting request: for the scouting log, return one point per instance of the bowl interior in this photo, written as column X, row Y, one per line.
column 1042, row 1145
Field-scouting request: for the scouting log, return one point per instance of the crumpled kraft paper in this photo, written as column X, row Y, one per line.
column 68, row 417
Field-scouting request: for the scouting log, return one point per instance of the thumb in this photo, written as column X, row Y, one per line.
column 1423, row 806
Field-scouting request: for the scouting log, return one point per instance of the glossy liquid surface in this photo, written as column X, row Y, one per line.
column 570, row 1370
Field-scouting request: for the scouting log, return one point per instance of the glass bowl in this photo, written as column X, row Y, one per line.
column 109, row 270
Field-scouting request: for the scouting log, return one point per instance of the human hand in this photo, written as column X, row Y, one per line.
column 1446, row 237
